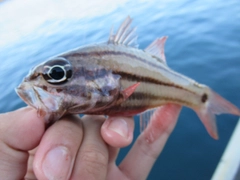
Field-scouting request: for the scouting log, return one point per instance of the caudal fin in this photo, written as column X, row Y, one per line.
column 213, row 106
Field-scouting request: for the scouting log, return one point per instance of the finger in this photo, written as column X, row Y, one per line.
column 57, row 151
column 118, row 131
column 20, row 131
column 92, row 159
column 139, row 161
column 30, row 173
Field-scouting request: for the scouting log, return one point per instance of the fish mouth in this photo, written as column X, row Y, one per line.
column 44, row 102
column 28, row 94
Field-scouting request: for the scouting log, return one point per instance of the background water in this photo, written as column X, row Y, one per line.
column 204, row 43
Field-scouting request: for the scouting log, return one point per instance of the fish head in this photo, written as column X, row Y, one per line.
column 65, row 86
column 42, row 87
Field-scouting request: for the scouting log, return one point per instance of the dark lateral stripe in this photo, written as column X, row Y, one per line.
column 142, row 96
column 137, row 78
column 90, row 74
column 130, row 107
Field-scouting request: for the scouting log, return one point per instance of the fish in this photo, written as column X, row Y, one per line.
column 117, row 78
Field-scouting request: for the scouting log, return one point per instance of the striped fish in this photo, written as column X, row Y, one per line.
column 117, row 78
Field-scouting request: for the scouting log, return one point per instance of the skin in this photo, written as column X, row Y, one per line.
column 75, row 148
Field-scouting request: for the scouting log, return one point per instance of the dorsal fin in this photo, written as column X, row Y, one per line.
column 125, row 35
column 156, row 48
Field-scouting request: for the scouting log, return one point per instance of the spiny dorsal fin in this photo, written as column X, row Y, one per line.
column 156, row 48
column 125, row 35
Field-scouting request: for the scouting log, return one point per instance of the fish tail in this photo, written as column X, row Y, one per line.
column 214, row 105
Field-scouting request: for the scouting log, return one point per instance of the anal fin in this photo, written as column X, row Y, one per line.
column 144, row 119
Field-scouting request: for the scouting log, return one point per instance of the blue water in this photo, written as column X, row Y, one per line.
column 204, row 44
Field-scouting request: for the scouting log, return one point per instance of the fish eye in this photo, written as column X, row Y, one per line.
column 57, row 71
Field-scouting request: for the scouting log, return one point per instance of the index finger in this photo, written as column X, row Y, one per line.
column 20, row 131
column 22, row 125
column 140, row 159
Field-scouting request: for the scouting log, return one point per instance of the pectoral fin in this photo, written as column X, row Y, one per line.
column 129, row 90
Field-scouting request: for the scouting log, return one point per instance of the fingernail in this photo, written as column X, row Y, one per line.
column 119, row 126
column 57, row 163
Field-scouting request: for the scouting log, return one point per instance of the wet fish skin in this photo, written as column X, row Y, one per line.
column 116, row 78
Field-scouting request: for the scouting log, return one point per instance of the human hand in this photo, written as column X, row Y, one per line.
column 80, row 149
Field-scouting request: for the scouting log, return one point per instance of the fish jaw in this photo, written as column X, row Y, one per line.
column 47, row 105
column 26, row 92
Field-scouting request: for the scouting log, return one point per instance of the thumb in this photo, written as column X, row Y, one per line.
column 20, row 131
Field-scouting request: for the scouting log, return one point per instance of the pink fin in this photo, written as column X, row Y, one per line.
column 157, row 48
column 215, row 105
column 208, row 119
column 144, row 119
column 128, row 91
column 161, row 124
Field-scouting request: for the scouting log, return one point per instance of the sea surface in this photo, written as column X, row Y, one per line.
column 203, row 43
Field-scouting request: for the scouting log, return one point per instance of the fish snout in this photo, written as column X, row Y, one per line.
column 26, row 93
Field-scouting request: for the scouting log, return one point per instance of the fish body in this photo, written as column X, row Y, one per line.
column 113, row 67
column 116, row 78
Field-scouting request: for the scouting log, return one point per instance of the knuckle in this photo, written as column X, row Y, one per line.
column 95, row 161
column 147, row 149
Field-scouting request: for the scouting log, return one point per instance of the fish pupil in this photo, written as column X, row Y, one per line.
column 204, row 98
column 57, row 73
